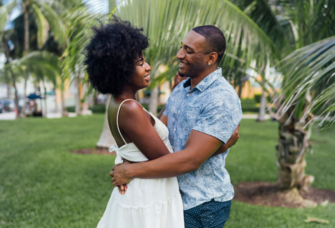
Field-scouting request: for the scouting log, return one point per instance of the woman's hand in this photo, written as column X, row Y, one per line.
column 122, row 189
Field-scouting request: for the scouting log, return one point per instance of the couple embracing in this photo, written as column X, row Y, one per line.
column 170, row 171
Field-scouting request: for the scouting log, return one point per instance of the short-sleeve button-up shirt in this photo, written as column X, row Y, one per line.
column 211, row 107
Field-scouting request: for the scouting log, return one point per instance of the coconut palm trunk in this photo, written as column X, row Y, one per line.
column 26, row 29
column 262, row 108
column 291, row 150
column 78, row 108
column 106, row 138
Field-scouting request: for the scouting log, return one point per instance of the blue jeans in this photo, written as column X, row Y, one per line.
column 211, row 214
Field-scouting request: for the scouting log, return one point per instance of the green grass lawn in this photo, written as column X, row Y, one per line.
column 43, row 185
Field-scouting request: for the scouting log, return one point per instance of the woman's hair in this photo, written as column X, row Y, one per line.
column 110, row 56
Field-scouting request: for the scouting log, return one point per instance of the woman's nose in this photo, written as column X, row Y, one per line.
column 148, row 67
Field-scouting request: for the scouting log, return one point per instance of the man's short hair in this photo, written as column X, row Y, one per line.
column 215, row 39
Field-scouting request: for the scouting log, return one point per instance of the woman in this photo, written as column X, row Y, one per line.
column 116, row 65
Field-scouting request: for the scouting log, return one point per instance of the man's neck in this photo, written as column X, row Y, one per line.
column 195, row 81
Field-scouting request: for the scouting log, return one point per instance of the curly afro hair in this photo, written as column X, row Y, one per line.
column 110, row 55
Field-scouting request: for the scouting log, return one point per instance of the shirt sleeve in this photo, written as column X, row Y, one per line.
column 220, row 117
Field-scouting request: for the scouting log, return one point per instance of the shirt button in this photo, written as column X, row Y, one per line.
column 179, row 111
column 175, row 129
column 188, row 94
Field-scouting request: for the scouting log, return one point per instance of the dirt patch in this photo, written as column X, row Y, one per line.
column 268, row 194
column 103, row 151
column 317, row 142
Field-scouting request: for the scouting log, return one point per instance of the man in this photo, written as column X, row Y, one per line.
column 202, row 114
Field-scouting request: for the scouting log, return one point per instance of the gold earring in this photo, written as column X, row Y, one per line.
column 209, row 64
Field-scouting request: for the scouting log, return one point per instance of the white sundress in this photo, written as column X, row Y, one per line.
column 148, row 203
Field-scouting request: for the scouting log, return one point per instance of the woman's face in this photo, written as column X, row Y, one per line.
column 141, row 78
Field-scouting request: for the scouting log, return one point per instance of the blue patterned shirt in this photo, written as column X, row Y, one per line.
column 211, row 107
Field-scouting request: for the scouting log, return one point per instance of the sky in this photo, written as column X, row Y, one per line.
column 93, row 6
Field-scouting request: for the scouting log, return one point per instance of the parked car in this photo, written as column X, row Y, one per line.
column 7, row 105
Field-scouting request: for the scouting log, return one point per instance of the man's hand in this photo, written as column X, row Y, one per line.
column 119, row 175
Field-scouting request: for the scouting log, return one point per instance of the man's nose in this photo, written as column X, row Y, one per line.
column 181, row 54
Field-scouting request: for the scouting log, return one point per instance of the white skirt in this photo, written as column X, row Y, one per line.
column 148, row 203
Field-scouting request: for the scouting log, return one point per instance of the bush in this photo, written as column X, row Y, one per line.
column 99, row 108
column 257, row 98
column 70, row 109
column 249, row 105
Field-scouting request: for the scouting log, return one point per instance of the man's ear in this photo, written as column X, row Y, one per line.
column 212, row 57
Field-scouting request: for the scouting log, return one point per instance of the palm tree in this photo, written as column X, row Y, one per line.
column 46, row 19
column 307, row 86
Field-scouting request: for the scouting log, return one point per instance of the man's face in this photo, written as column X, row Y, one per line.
column 192, row 55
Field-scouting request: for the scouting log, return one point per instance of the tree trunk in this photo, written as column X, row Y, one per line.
column 45, row 99
column 8, row 60
column 23, row 110
column 16, row 97
column 106, row 137
column 63, row 111
column 78, row 108
column 153, row 101
column 293, row 142
column 26, row 29
column 262, row 108
column 240, row 89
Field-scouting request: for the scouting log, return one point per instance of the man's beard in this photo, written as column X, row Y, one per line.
column 184, row 75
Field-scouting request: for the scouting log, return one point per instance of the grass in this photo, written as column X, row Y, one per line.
column 43, row 185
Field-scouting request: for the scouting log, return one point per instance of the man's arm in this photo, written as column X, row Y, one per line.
column 199, row 147
column 231, row 142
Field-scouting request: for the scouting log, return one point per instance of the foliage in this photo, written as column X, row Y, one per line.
column 311, row 70
column 167, row 22
column 249, row 105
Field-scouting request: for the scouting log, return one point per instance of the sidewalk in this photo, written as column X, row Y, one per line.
column 254, row 116
column 7, row 116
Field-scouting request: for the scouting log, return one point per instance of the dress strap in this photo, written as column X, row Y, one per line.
column 117, row 116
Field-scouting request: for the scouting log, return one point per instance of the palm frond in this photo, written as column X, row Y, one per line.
column 42, row 26
column 4, row 13
column 165, row 23
column 311, row 70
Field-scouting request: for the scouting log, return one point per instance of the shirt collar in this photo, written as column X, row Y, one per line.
column 206, row 82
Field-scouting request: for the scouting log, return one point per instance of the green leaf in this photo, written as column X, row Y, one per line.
column 42, row 25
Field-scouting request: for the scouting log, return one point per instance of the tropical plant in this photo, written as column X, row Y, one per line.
column 307, row 86
column 167, row 22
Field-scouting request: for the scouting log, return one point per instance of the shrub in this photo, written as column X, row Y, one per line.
column 249, row 105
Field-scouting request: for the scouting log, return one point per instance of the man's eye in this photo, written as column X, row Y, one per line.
column 188, row 50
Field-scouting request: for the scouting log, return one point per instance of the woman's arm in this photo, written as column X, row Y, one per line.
column 136, row 127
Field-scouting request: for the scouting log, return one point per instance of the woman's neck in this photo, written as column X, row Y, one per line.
column 126, row 94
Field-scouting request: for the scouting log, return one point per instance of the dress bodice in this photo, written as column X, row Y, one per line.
column 130, row 152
